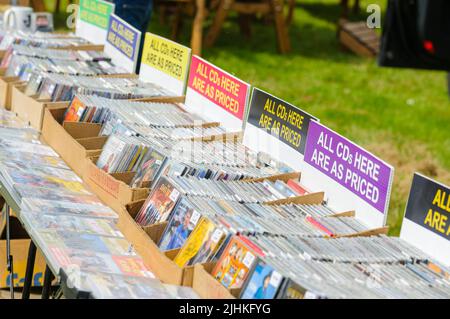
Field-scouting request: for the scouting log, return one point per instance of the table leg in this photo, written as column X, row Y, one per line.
column 48, row 277
column 29, row 271
column 9, row 257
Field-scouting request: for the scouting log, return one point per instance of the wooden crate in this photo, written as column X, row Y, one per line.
column 359, row 38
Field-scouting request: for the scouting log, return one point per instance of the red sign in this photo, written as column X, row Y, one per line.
column 218, row 86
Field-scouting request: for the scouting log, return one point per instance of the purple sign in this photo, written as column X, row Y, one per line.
column 349, row 165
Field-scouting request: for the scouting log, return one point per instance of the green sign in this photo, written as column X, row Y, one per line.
column 96, row 12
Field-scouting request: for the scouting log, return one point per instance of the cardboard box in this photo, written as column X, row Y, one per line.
column 30, row 109
column 206, row 286
column 73, row 141
column 113, row 189
column 198, row 277
column 145, row 245
column 19, row 249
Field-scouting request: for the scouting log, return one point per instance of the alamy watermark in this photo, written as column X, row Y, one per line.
column 374, row 19
column 71, row 21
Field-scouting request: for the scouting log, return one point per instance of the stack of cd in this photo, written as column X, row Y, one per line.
column 55, row 54
column 239, row 191
column 73, row 229
column 113, row 286
column 58, row 87
column 24, row 67
column 167, row 203
column 39, row 40
column 126, row 154
column 375, row 249
column 296, row 278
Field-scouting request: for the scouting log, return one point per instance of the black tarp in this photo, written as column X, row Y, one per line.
column 416, row 34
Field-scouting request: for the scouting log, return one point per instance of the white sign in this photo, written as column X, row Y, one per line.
column 277, row 128
column 165, row 63
column 123, row 43
column 352, row 178
column 93, row 20
column 426, row 223
column 216, row 95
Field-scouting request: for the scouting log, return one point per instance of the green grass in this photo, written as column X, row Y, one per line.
column 400, row 115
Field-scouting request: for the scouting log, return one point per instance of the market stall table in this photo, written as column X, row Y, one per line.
column 11, row 204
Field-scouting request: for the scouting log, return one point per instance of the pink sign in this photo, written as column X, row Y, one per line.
column 219, row 87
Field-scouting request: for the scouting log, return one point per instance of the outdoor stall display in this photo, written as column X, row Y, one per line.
column 230, row 193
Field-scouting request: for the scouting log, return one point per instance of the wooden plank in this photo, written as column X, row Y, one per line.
column 39, row 6
column 284, row 43
column 197, row 28
column 354, row 45
column 219, row 20
column 251, row 8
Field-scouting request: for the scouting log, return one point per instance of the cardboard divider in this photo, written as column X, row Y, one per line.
column 134, row 207
column 317, row 198
column 345, row 214
column 156, row 231
column 144, row 242
column 368, row 233
column 113, row 189
column 119, row 75
column 93, row 143
column 234, row 137
column 6, row 85
column 30, row 109
column 74, row 142
column 82, row 47
column 308, row 199
column 280, row 177
column 76, row 129
column 162, row 99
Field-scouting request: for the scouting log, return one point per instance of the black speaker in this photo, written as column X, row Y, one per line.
column 416, row 34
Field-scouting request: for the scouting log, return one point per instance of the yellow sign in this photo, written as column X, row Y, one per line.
column 166, row 56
